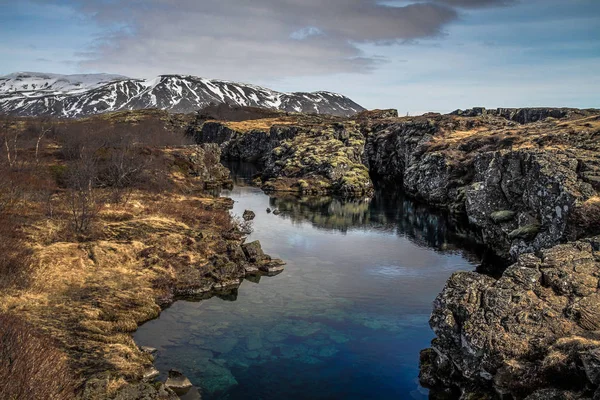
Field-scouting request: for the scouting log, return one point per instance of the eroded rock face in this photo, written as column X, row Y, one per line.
column 539, row 188
column 520, row 115
column 535, row 327
column 202, row 161
column 311, row 156
column 524, row 187
column 322, row 160
column 251, row 146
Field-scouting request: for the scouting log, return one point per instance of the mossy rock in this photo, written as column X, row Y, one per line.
column 526, row 232
column 503, row 216
column 303, row 184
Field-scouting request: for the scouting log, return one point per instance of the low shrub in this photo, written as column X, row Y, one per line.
column 31, row 367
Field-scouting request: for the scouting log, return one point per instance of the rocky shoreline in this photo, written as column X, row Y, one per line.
column 528, row 179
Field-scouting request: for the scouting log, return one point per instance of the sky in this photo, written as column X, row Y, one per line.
column 415, row 56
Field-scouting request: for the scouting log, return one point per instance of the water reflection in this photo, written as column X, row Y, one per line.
column 389, row 210
column 347, row 317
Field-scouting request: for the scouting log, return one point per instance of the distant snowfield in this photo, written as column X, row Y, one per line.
column 34, row 83
column 32, row 93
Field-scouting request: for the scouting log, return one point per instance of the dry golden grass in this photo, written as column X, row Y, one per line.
column 259, row 124
column 90, row 295
column 89, row 291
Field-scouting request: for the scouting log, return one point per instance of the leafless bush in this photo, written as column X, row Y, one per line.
column 122, row 167
column 84, row 200
column 11, row 190
column 30, row 366
column 10, row 136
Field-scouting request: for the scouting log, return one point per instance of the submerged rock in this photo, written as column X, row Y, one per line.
column 177, row 380
column 146, row 391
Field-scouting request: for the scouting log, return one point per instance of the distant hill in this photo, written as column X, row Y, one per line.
column 72, row 96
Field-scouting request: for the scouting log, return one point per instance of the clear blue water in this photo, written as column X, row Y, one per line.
column 345, row 320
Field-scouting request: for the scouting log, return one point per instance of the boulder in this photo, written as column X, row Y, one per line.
column 248, row 215
column 253, row 252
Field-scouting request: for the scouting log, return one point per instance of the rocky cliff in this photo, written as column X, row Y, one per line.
column 526, row 186
column 306, row 154
column 534, row 328
column 523, row 185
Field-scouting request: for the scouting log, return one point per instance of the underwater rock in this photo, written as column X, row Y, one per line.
column 177, row 380
column 216, row 378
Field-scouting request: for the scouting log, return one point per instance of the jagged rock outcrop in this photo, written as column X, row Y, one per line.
column 251, row 146
column 522, row 115
column 307, row 155
column 535, row 327
column 522, row 185
column 202, row 162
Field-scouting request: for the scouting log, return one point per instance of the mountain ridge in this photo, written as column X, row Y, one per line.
column 73, row 96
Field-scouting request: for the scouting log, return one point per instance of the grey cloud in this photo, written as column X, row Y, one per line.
column 248, row 40
column 476, row 3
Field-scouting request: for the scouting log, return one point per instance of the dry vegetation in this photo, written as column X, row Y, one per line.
column 101, row 226
column 264, row 124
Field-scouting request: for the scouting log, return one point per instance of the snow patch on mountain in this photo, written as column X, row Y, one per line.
column 72, row 96
column 35, row 83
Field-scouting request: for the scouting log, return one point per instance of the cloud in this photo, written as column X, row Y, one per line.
column 476, row 3
column 248, row 40
column 258, row 39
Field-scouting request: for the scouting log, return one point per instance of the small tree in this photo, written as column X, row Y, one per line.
column 10, row 138
column 124, row 166
column 83, row 199
column 44, row 127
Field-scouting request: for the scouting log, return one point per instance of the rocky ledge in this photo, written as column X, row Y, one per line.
column 527, row 178
column 526, row 186
column 537, row 327
column 300, row 153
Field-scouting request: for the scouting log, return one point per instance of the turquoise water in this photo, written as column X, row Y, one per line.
column 345, row 320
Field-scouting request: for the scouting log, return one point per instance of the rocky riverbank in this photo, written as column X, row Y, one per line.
column 83, row 265
column 528, row 179
column 534, row 329
column 301, row 153
column 526, row 186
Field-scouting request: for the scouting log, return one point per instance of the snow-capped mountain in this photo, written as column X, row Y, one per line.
column 34, row 94
column 35, row 83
